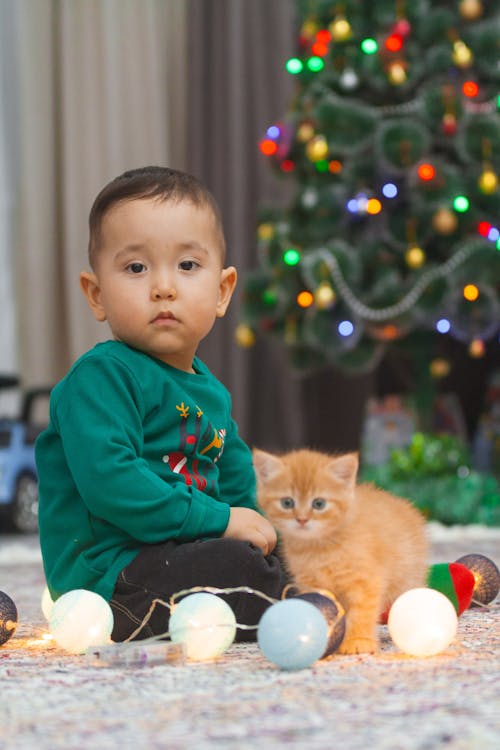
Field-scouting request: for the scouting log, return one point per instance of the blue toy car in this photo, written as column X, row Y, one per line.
column 18, row 476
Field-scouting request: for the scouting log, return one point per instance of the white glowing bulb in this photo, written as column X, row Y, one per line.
column 80, row 619
column 205, row 624
column 422, row 622
column 47, row 603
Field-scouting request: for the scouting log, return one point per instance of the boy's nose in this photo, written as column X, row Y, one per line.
column 163, row 290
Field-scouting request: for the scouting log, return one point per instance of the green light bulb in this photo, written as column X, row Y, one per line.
column 294, row 65
column 315, row 64
column 291, row 256
column 369, row 46
column 461, row 204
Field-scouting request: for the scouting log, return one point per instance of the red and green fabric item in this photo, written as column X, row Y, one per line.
column 453, row 580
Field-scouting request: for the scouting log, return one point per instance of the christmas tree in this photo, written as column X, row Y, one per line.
column 391, row 145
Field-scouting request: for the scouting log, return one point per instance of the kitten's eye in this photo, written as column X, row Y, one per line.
column 318, row 503
column 287, row 502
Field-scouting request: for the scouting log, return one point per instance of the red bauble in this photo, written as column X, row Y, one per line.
column 449, row 124
column 402, row 27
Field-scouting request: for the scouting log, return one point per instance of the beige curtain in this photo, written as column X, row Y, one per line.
column 101, row 89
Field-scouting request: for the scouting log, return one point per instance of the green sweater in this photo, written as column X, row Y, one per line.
column 136, row 452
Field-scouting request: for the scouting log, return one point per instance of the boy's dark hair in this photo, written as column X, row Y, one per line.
column 162, row 183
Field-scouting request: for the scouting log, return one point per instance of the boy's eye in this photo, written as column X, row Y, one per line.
column 188, row 265
column 136, row 267
column 287, row 502
column 318, row 503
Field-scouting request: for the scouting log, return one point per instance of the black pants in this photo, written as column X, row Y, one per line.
column 161, row 570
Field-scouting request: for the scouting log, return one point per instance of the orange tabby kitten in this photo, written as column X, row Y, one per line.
column 361, row 543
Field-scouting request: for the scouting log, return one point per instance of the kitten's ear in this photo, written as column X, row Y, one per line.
column 345, row 468
column 266, row 465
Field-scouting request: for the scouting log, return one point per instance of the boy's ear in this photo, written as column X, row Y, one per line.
column 92, row 291
column 228, row 279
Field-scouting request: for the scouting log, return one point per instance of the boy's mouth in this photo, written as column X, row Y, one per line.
column 164, row 317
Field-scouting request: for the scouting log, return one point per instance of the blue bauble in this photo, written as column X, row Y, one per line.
column 292, row 634
column 332, row 611
column 8, row 617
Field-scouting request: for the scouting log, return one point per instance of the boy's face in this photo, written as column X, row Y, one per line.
column 159, row 280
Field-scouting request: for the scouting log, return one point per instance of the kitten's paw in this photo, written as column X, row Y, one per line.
column 358, row 646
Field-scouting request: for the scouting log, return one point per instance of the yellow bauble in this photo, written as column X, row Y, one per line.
column 265, row 231
column 440, row 368
column 477, row 348
column 340, row 29
column 305, row 132
column 462, row 55
column 444, row 221
column 309, row 28
column 324, row 296
column 488, row 182
column 317, row 148
column 244, row 336
column 471, row 9
column 415, row 257
column 397, row 73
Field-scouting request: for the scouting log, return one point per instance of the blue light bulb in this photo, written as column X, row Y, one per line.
column 273, row 132
column 345, row 328
column 390, row 190
column 443, row 325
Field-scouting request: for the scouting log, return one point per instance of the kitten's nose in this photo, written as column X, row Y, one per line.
column 302, row 521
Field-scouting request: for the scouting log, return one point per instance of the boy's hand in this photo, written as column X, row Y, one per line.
column 249, row 526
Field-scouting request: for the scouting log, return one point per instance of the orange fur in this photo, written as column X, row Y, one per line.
column 362, row 543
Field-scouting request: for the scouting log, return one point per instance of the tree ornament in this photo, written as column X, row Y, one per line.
column 305, row 132
column 477, row 349
column 324, row 296
column 449, row 124
column 462, row 55
column 317, row 148
column 440, row 368
column 265, row 231
column 471, row 10
column 309, row 29
column 244, row 335
column 397, row 73
column 488, row 181
column 349, row 79
column 444, row 221
column 401, row 28
column 340, row 29
column 8, row 617
column 415, row 257
column 455, row 581
column 486, row 577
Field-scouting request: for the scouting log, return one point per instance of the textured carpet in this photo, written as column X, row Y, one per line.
column 53, row 700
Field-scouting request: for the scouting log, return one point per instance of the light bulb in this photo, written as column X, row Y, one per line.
column 292, row 634
column 80, row 619
column 205, row 623
column 47, row 603
column 422, row 622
